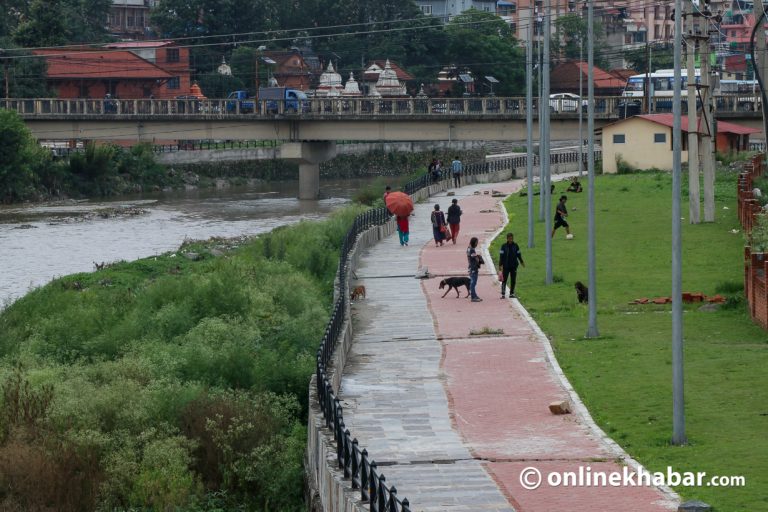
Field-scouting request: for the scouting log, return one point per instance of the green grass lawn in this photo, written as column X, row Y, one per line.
column 625, row 376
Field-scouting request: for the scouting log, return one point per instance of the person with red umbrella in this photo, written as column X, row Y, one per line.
column 400, row 205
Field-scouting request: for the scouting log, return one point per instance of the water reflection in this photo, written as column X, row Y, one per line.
column 40, row 242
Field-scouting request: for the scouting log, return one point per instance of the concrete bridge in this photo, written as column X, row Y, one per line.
column 310, row 129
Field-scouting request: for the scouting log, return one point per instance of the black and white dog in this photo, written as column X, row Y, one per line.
column 454, row 283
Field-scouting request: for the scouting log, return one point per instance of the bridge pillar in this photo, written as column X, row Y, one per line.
column 308, row 155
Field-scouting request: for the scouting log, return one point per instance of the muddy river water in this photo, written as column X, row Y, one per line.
column 44, row 241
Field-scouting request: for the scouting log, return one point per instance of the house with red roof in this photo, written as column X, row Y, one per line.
column 565, row 78
column 167, row 56
column 94, row 73
column 645, row 141
column 129, row 70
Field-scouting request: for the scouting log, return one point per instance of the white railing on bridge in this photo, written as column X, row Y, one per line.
column 512, row 107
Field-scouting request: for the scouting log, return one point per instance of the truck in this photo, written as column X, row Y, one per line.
column 246, row 103
column 293, row 99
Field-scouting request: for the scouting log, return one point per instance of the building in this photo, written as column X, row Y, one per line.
column 372, row 74
column 645, row 141
column 129, row 19
column 330, row 83
column 94, row 73
column 167, row 56
column 291, row 68
column 447, row 9
column 565, row 78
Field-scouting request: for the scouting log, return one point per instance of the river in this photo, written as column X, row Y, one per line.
column 41, row 242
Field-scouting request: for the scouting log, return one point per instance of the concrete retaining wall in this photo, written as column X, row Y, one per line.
column 327, row 489
column 237, row 155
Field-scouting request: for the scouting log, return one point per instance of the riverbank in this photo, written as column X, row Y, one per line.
column 176, row 381
column 624, row 376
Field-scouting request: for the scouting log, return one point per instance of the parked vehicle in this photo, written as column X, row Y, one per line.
column 292, row 99
column 564, row 102
column 242, row 99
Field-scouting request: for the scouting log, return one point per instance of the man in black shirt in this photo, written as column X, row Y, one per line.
column 561, row 212
column 509, row 257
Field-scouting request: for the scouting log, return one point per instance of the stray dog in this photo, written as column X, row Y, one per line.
column 582, row 292
column 453, row 283
column 357, row 293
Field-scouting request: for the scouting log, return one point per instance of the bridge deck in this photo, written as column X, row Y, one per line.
column 453, row 419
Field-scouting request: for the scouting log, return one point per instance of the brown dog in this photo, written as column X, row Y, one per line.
column 358, row 292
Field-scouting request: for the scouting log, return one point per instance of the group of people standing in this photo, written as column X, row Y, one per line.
column 445, row 229
column 435, row 170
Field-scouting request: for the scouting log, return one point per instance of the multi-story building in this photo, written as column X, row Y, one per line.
column 165, row 55
column 447, row 9
column 129, row 19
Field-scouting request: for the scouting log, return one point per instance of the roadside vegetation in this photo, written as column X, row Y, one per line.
column 625, row 376
column 168, row 383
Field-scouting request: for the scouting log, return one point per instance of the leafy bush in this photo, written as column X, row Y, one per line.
column 182, row 386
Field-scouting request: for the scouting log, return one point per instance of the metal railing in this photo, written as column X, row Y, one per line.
column 608, row 107
column 354, row 461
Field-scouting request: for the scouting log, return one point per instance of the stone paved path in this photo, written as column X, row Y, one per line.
column 452, row 419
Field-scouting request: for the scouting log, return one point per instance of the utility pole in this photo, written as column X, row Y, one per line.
column 592, row 331
column 678, row 397
column 529, row 125
column 543, row 107
column 581, row 98
column 693, row 136
column 759, row 61
column 706, row 150
column 648, row 73
column 545, row 191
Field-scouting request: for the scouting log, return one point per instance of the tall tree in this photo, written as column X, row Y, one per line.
column 44, row 25
column 483, row 43
column 570, row 39
column 662, row 57
column 20, row 157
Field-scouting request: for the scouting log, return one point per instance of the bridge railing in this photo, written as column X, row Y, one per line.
column 605, row 107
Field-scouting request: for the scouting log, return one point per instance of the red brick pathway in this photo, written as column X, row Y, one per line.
column 499, row 387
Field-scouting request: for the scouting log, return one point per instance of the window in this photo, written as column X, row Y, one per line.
column 426, row 9
column 173, row 83
column 172, row 55
column 660, row 138
column 618, row 138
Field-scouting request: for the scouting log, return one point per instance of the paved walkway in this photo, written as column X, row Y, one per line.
column 452, row 419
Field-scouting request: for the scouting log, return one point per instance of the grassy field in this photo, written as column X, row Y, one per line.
column 625, row 376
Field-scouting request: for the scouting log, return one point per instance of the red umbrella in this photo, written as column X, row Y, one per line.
column 399, row 203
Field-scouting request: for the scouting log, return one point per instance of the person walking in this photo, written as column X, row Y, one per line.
column 434, row 170
column 561, row 212
column 402, row 229
column 457, row 168
column 509, row 258
column 439, row 226
column 474, row 260
column 454, row 218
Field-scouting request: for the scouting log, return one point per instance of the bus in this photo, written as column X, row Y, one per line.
column 741, row 95
column 662, row 82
